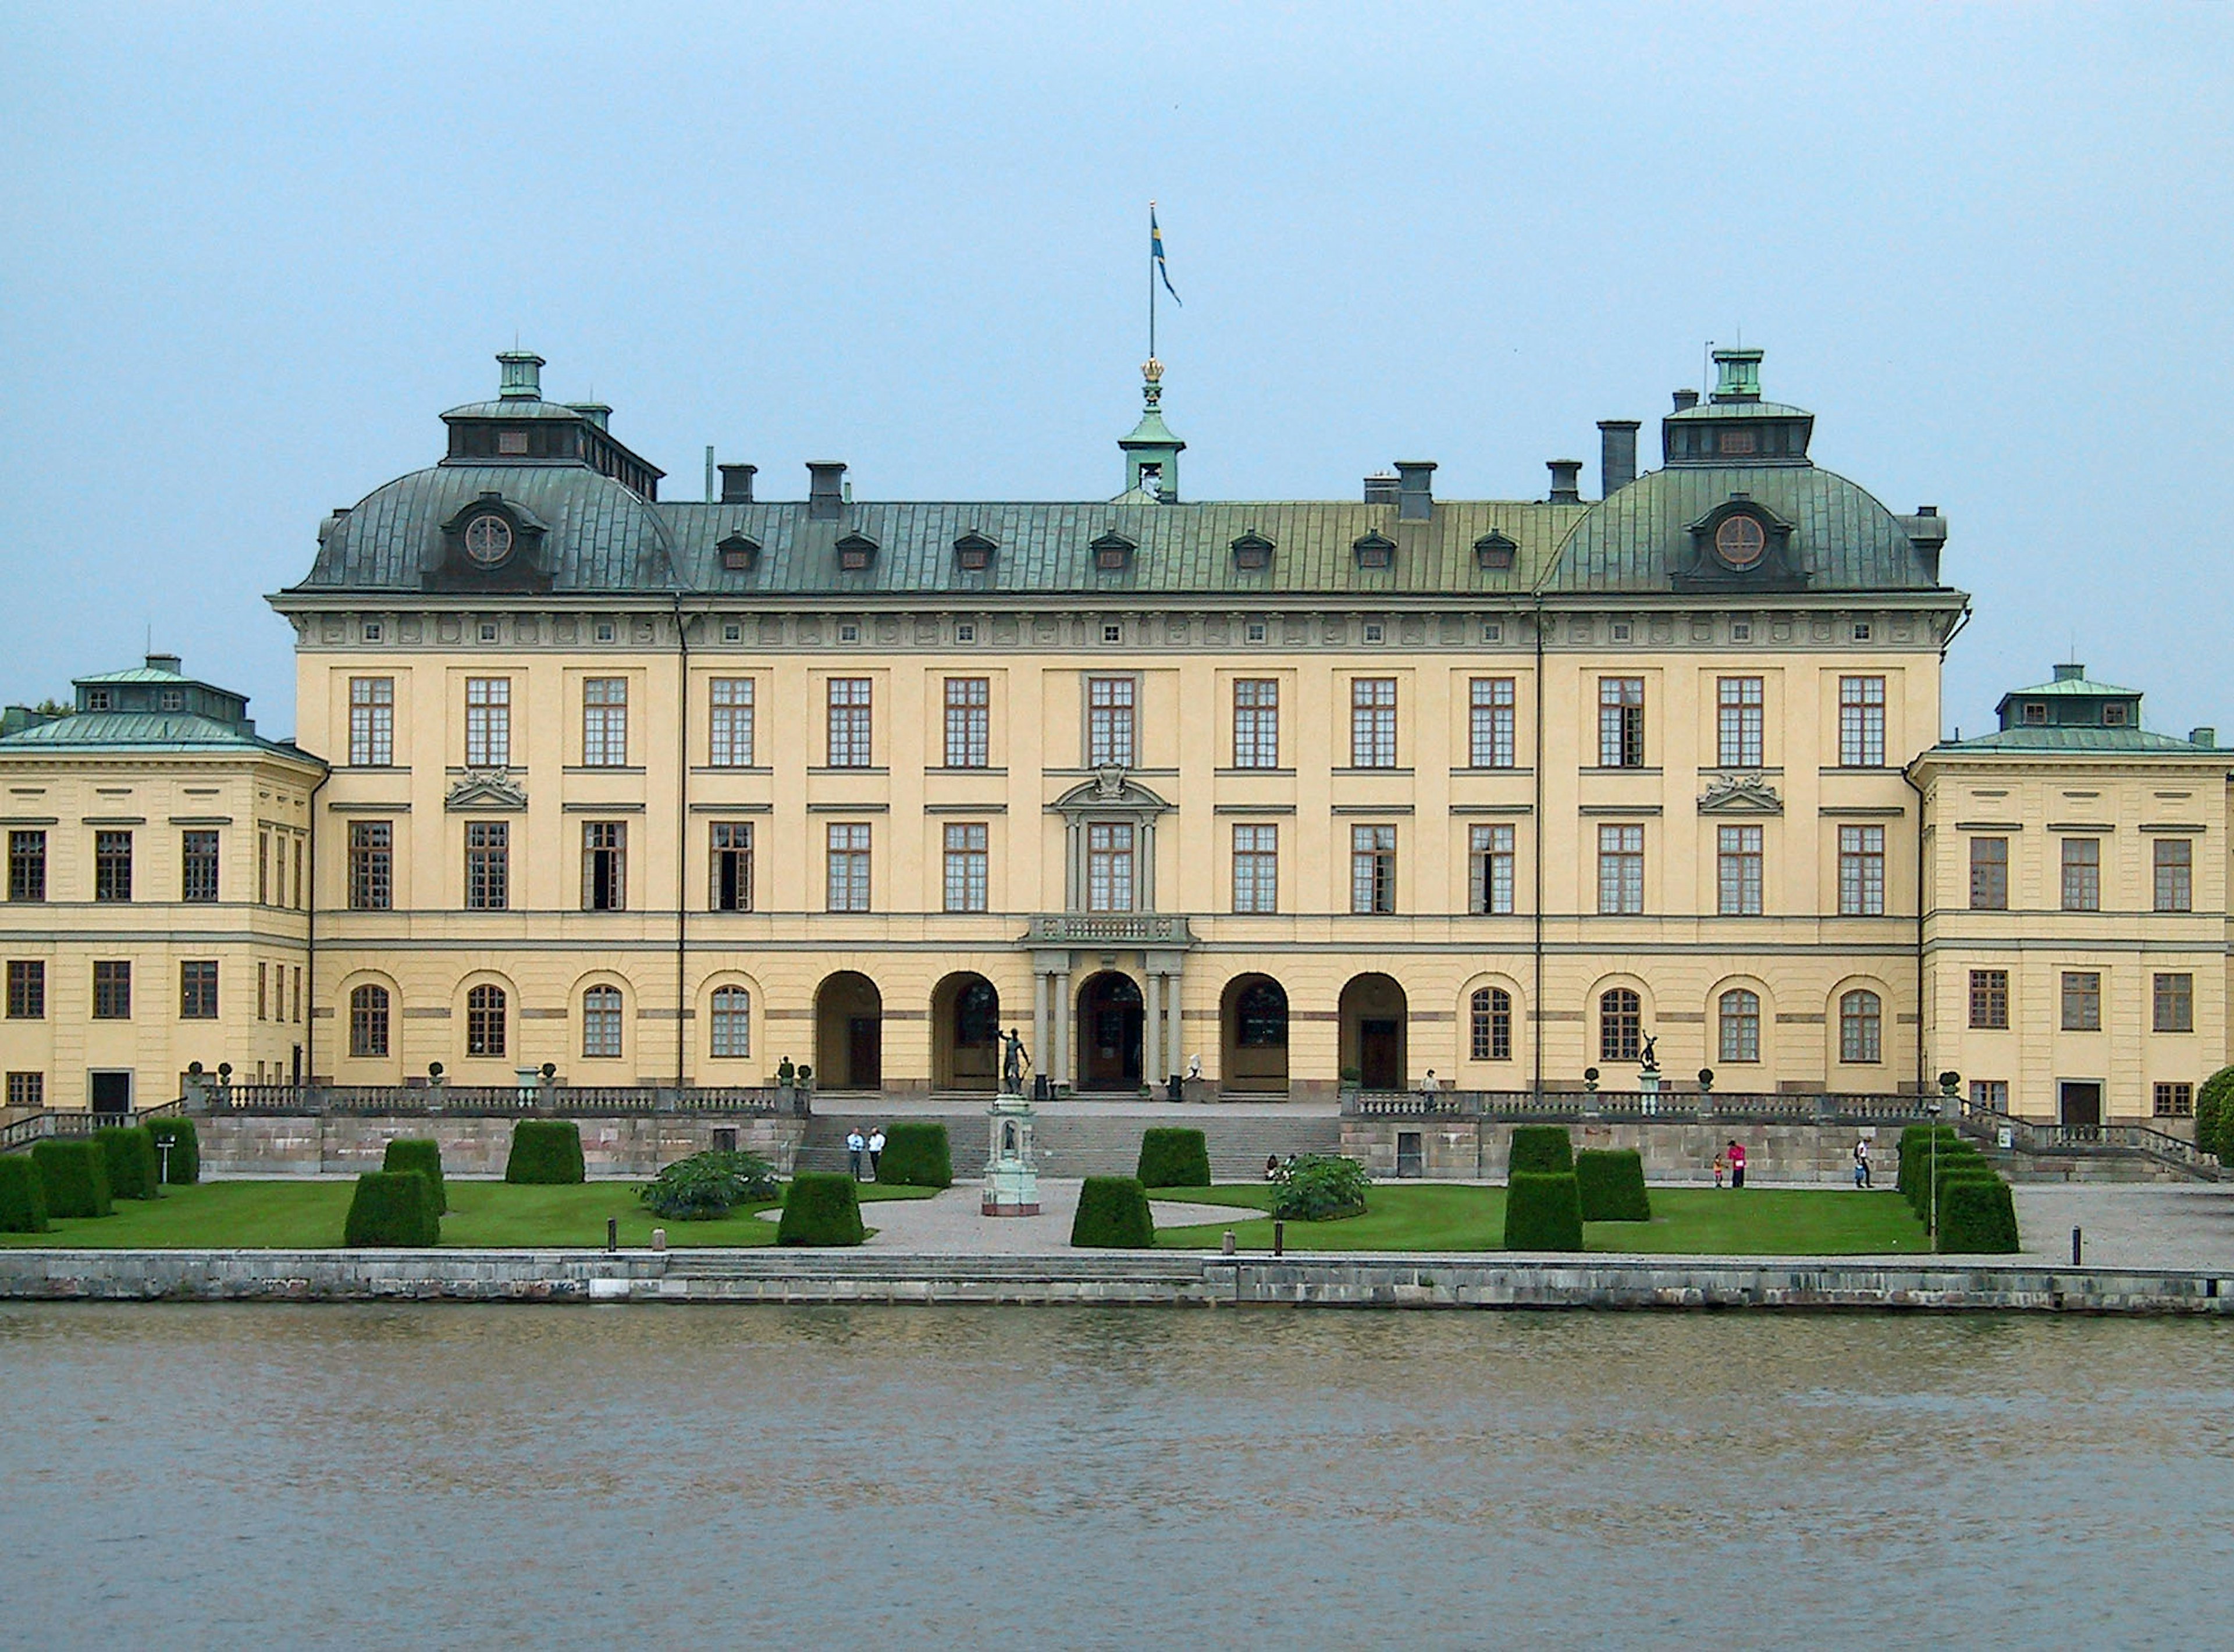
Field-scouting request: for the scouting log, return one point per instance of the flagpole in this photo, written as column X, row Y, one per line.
column 1152, row 281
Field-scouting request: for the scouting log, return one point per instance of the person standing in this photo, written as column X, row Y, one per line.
column 876, row 1151
column 854, row 1147
column 1721, row 1167
column 1861, row 1161
column 1737, row 1166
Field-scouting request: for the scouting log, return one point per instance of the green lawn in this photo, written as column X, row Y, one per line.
column 1690, row 1221
column 294, row 1215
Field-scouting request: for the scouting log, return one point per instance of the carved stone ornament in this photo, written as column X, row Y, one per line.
column 1109, row 781
column 487, row 790
column 1740, row 795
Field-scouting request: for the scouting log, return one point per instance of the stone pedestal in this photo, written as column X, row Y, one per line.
column 1012, row 1178
column 1648, row 1087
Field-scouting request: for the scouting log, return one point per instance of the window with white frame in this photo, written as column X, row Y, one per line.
column 1621, row 722
column 1861, row 872
column 1491, row 848
column 2174, row 864
column 1109, row 867
column 604, row 722
column 1621, row 1024
column 2173, row 1002
column 1255, row 869
column 368, row 1022
column 604, row 866
column 729, row 847
column 1738, row 712
column 1257, row 722
column 1737, row 1016
column 2082, row 1001
column 372, row 722
column 488, row 722
column 731, row 724
column 847, row 855
column 968, row 867
column 1861, row 722
column 1373, row 723
column 1738, row 868
column 1621, row 869
column 601, row 1024
column 2082, row 874
column 1861, row 1026
column 733, row 1022
column 486, row 1009
column 969, row 723
column 1373, row 869
column 850, row 730
column 1490, row 726
column 488, row 865
column 1491, row 1034
column 1109, row 730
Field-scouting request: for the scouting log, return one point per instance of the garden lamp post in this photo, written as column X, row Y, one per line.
column 163, row 1147
column 1932, row 1107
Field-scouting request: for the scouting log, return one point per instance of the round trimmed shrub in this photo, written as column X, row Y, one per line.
column 76, row 1177
column 184, row 1167
column 708, row 1186
column 1542, row 1212
column 1112, row 1215
column 821, row 1207
column 128, row 1154
column 1541, row 1148
column 1320, row 1188
column 2214, row 1114
column 545, row 1153
column 426, row 1157
column 916, row 1155
column 392, row 1208
column 1174, row 1156
column 23, row 1196
column 1610, row 1183
column 1977, row 1215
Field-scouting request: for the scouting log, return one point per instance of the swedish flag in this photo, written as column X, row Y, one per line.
column 1156, row 254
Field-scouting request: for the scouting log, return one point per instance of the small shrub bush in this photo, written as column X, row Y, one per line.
column 1174, row 1156
column 1611, row 1186
column 1977, row 1217
column 1542, row 1212
column 76, row 1177
column 1916, row 1154
column 916, row 1155
column 184, row 1168
column 392, row 1208
column 821, row 1208
column 545, row 1152
column 1112, row 1215
column 710, row 1185
column 2214, row 1114
column 1320, row 1188
column 128, row 1154
column 1541, row 1148
column 426, row 1157
column 23, row 1196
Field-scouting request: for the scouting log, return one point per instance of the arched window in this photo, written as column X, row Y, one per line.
column 733, row 1021
column 1260, row 1016
column 1861, row 1018
column 368, row 1021
column 1740, row 1023
column 601, row 1024
column 485, row 1020
column 1492, row 1024
column 1621, row 1025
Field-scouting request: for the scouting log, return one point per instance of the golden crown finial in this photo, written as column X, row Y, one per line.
column 1152, row 370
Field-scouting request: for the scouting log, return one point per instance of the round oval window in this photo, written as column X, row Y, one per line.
column 1739, row 541
column 488, row 539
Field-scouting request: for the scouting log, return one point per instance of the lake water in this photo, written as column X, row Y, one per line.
column 397, row 1476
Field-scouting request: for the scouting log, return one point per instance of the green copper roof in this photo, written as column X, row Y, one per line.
column 2072, row 686
column 2082, row 739
column 145, row 732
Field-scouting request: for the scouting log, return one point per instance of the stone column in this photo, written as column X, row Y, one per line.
column 1065, row 1009
column 1178, row 1055
column 1040, row 1022
column 1152, row 1026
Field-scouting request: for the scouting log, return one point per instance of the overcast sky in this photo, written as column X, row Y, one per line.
column 248, row 253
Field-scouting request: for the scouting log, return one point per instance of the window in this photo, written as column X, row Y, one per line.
column 1861, row 630
column 112, row 989
column 488, row 722
column 372, row 722
column 2082, row 874
column 371, row 865
column 2174, row 1101
column 1621, row 869
column 27, row 1089
column 298, row 994
column 175, row 700
column 485, row 1009
column 2082, row 1001
column 849, row 868
column 1109, row 867
column 1861, row 721
column 1113, row 633
column 2116, row 714
column 370, row 631
column 1255, row 869
column 368, row 1021
column 488, row 865
column 849, row 722
column 1491, row 849
column 1861, row 1026
column 968, row 722
column 604, row 630
column 1741, row 630
column 1255, row 631
column 1738, row 1018
column 965, row 632
column 601, row 1024
column 604, row 722
column 1989, row 999
column 1989, row 874
column 1739, row 866
column 27, row 989
column 197, row 989
column 1489, row 734
column 1109, row 721
column 732, row 723
column 1373, row 723
column 604, row 866
column 1992, row 1094
column 1621, row 1025
column 112, row 865
column 966, row 867
column 488, row 631
column 301, row 890
column 1375, row 631
column 1256, row 723
column 263, row 992
column 1492, row 1024
column 263, row 869
column 2175, row 875
column 26, row 865
column 1738, row 723
column 2035, row 712
column 1621, row 722
column 1861, row 872
column 1373, row 869
column 198, row 860
column 732, row 866
column 2174, row 1004
column 733, row 1021
column 850, row 633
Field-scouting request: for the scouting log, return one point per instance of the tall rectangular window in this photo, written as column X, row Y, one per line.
column 488, row 865
column 371, row 865
column 604, row 866
column 849, row 728
column 488, row 722
column 1861, row 872
column 2082, row 874
column 197, row 989
column 1989, row 999
column 1621, row 869
column 264, row 868
column 1257, row 722
column 27, row 989
column 1989, row 874
column 968, row 722
column 1489, row 728
column 601, row 1024
column 1738, row 723
column 1491, row 848
column 1738, row 1019
column 26, row 865
column 1109, row 883
column 1373, row 723
column 112, row 865
column 27, row 1089
column 1373, row 869
column 198, row 862
column 1109, row 730
column 2175, row 875
column 731, row 723
column 1861, row 722
column 731, row 849
column 1255, row 869
column 1621, row 722
column 372, row 722
column 1739, row 871
column 733, row 1021
column 302, row 890
column 604, row 722
column 2173, row 1003
column 2082, row 1001
column 263, row 991
column 1491, row 1034
column 968, row 867
column 112, row 989
column 848, row 855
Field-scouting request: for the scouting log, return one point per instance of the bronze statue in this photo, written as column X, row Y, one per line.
column 1014, row 1063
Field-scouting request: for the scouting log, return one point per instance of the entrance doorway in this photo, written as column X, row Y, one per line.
column 1110, row 1016
column 112, row 1092
column 1253, row 1020
column 1373, row 1028
column 2079, row 1104
column 965, row 1020
column 849, row 1033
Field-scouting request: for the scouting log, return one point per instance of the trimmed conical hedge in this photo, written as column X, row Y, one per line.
column 184, row 1167
column 546, row 1152
column 1541, row 1148
column 23, row 1196
column 1112, row 1214
column 1542, row 1212
column 426, row 1157
column 394, row 1208
column 1174, row 1156
column 128, row 1154
column 1610, row 1182
column 821, row 1207
column 1977, row 1217
column 76, row 1177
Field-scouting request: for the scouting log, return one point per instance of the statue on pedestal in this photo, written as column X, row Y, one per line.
column 1648, row 1076
column 1014, row 1063
column 1012, row 1184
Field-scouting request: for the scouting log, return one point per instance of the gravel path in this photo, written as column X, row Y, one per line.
column 951, row 1225
column 2130, row 1225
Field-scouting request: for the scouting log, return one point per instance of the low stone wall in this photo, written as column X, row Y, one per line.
column 329, row 1144
column 1674, row 1149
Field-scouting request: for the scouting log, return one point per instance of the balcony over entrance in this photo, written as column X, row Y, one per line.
column 1109, row 929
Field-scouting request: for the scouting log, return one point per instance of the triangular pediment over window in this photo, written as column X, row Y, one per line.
column 494, row 793
column 1740, row 795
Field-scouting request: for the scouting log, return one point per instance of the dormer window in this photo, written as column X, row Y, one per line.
column 175, row 700
column 1733, row 443
column 739, row 553
column 1252, row 551
column 1494, row 553
column 856, row 551
column 2116, row 714
column 1740, row 541
column 1113, row 552
column 1374, row 551
column 96, row 700
column 512, row 443
column 2035, row 712
column 973, row 552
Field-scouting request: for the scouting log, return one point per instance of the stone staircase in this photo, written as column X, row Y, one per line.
column 1096, row 1144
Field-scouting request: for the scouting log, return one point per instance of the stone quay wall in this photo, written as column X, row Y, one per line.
column 1674, row 1150
column 345, row 1143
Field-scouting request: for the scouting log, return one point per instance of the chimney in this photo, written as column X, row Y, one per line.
column 826, row 489
column 2070, row 673
column 521, row 375
column 1566, row 481
column 1617, row 455
column 599, row 414
column 1381, row 489
column 2206, row 737
column 169, row 663
column 1686, row 399
column 1416, row 490
column 737, row 484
